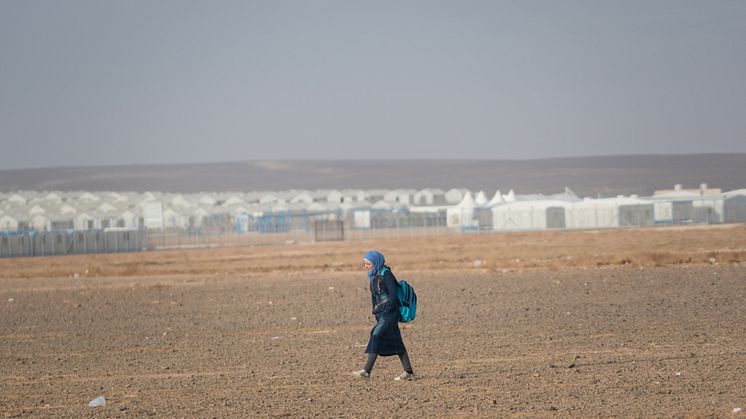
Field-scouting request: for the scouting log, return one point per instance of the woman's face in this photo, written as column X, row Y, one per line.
column 367, row 265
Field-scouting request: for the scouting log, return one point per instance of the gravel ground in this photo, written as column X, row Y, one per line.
column 607, row 341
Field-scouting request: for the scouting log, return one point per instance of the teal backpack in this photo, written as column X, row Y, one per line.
column 407, row 299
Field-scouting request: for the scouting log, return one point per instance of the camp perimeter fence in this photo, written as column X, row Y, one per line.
column 68, row 242
column 289, row 228
column 225, row 232
column 299, row 228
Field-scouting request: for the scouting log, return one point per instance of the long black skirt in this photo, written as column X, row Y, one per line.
column 385, row 337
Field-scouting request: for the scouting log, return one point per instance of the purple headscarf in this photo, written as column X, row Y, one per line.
column 376, row 258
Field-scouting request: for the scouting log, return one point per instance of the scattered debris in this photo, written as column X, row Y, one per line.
column 10, row 300
column 737, row 410
column 712, row 260
column 276, row 338
column 678, row 373
column 478, row 262
column 331, row 288
column 99, row 401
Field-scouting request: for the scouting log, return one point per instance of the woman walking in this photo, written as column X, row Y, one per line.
column 385, row 337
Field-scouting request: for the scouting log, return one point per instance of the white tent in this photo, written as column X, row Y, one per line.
column 496, row 200
column 481, row 199
column 462, row 214
column 510, row 197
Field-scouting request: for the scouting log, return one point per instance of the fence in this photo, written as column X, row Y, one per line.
column 285, row 228
column 66, row 242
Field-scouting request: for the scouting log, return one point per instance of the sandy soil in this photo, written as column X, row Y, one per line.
column 611, row 323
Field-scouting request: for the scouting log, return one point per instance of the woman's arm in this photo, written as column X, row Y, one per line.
column 389, row 286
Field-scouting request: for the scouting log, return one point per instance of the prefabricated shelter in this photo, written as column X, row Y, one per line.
column 382, row 205
column 697, row 210
column 174, row 219
column 87, row 196
column 67, row 209
column 429, row 196
column 53, row 197
column 708, row 210
column 530, row 215
column 17, row 199
column 337, row 197
column 40, row 222
column 234, row 199
column 129, row 219
column 180, row 202
column 106, row 207
column 302, row 198
column 8, row 223
column 36, row 209
column 84, row 221
column 359, row 195
column 455, row 195
column 734, row 209
column 153, row 215
column 207, row 200
column 59, row 221
column 399, row 196
column 197, row 217
column 116, row 197
column 611, row 212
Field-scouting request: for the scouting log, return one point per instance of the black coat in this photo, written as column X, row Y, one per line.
column 385, row 337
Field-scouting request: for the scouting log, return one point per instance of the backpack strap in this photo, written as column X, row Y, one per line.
column 380, row 275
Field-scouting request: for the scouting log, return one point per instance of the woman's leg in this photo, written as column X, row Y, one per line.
column 370, row 362
column 404, row 358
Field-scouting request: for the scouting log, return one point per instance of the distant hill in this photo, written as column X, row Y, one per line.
column 587, row 176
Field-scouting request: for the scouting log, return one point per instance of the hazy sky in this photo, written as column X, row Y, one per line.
column 121, row 82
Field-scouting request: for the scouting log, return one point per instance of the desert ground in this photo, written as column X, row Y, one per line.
column 641, row 322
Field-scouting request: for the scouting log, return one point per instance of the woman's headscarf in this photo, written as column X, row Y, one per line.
column 376, row 258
